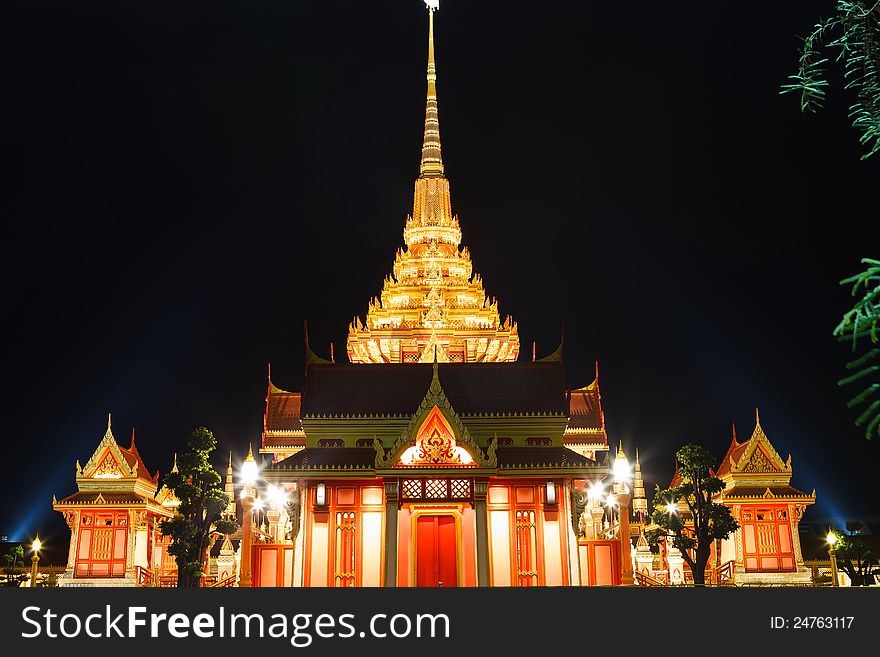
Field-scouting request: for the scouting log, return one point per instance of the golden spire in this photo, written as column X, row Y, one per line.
column 432, row 159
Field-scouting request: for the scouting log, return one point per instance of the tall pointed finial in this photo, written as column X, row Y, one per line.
column 757, row 418
column 132, row 439
column 432, row 159
column 250, row 454
column 534, row 348
column 620, row 453
column 229, row 488
column 174, row 467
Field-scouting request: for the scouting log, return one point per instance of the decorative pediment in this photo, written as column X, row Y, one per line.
column 760, row 456
column 435, row 444
column 435, row 437
column 108, row 468
column 107, row 462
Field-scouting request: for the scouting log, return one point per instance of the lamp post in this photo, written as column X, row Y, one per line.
column 249, row 472
column 622, row 475
column 832, row 543
column 35, row 559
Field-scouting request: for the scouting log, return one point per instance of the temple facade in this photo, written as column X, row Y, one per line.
column 435, row 457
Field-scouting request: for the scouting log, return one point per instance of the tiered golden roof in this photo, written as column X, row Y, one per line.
column 433, row 305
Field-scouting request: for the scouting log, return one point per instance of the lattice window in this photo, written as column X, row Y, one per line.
column 346, row 552
column 526, row 548
column 767, row 538
column 411, row 489
column 411, row 358
column 459, row 488
column 436, row 488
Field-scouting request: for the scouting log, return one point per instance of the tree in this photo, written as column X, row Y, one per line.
column 709, row 521
column 11, row 576
column 856, row 26
column 861, row 325
column 856, row 558
column 202, row 501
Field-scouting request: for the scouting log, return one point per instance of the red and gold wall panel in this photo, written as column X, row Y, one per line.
column 102, row 544
column 767, row 538
column 344, row 539
column 528, row 541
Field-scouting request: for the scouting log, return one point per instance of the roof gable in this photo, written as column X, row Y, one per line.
column 434, row 404
column 759, row 456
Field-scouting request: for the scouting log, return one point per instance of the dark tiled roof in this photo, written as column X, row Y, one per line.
column 585, row 409
column 283, row 411
column 759, row 491
column 521, row 457
column 312, row 458
column 398, row 389
column 89, row 497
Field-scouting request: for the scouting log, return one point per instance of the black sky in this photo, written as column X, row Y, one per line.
column 185, row 182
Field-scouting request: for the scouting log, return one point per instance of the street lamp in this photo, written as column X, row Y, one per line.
column 249, row 472
column 832, row 543
column 35, row 546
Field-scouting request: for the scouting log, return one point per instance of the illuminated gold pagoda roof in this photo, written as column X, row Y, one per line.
column 432, row 306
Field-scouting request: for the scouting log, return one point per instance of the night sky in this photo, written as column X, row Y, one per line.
column 185, row 182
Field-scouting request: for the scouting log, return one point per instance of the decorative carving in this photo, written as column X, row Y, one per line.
column 107, row 469
column 578, row 506
column 759, row 463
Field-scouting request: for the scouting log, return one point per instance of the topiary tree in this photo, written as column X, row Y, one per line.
column 710, row 521
column 853, row 33
column 202, row 502
column 861, row 326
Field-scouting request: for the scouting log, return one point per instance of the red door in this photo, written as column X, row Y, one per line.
column 436, row 560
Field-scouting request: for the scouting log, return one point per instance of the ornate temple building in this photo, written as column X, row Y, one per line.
column 765, row 549
column 435, row 457
column 113, row 517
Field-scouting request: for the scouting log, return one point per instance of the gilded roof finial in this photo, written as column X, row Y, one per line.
column 174, row 467
column 620, row 453
column 432, row 159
